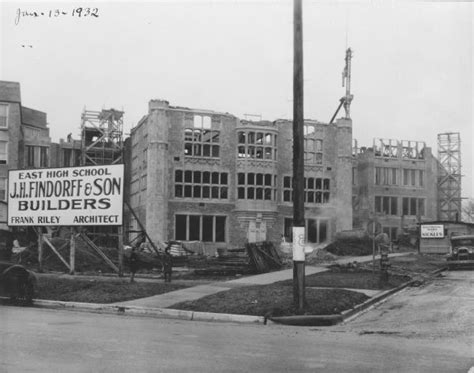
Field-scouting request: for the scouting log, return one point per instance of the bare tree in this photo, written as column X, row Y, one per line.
column 467, row 211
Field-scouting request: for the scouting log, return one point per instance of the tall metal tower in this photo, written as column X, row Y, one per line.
column 449, row 176
column 101, row 136
column 346, row 81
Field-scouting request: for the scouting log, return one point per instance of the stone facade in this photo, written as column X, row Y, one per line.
column 209, row 177
column 24, row 139
column 395, row 184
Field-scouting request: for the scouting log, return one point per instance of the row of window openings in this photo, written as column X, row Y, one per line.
column 198, row 177
column 259, row 193
column 248, row 150
column 316, row 190
column 389, row 176
column 410, row 205
column 32, row 159
column 211, row 228
column 316, row 230
column 264, row 186
column 201, row 142
column 309, row 183
column 36, row 156
column 257, row 138
column 257, row 152
column 198, row 143
column 186, row 184
column 205, row 228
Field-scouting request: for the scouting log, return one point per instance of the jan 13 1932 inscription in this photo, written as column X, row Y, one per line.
column 78, row 12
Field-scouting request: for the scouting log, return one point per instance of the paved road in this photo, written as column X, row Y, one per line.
column 383, row 340
column 58, row 341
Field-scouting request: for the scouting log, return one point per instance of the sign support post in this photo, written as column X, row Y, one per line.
column 120, row 251
column 72, row 252
column 40, row 249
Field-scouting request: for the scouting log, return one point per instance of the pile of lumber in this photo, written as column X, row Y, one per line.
column 263, row 256
column 258, row 257
column 230, row 263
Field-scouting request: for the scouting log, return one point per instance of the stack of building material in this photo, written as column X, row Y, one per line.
column 264, row 256
column 229, row 263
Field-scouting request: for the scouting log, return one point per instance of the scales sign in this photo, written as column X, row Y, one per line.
column 91, row 195
column 432, row 231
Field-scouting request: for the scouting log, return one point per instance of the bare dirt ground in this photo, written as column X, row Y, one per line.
column 441, row 309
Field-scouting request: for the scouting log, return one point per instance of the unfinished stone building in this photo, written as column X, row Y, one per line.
column 394, row 184
column 199, row 175
column 24, row 139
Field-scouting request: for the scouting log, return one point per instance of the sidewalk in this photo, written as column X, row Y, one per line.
column 196, row 292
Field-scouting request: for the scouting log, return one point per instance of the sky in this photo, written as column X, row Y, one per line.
column 412, row 67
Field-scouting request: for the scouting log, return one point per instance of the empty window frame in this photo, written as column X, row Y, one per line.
column 316, row 230
column 3, row 116
column 413, row 206
column 201, row 184
column 386, row 176
column 386, row 205
column 256, row 145
column 354, row 175
column 3, row 152
column 201, row 140
column 44, row 156
column 317, row 190
column 413, row 177
column 3, row 188
column 68, row 158
column 206, row 228
column 256, row 186
column 313, row 151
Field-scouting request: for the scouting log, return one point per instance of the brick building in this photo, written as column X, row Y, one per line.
column 395, row 184
column 24, row 139
column 199, row 175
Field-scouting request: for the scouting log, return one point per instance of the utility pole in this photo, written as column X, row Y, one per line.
column 298, row 162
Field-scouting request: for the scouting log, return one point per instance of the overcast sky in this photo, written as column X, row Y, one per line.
column 412, row 71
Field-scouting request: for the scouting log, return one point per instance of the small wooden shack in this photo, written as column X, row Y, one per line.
column 435, row 235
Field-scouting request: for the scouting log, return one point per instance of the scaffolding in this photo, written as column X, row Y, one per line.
column 449, row 176
column 101, row 137
column 102, row 144
column 404, row 149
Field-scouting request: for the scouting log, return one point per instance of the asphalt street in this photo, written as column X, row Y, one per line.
column 426, row 329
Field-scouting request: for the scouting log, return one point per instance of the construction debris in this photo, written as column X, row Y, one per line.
column 258, row 257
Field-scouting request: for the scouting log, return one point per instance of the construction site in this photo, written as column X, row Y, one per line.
column 217, row 191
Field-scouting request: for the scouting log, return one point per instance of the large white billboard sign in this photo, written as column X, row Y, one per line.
column 432, row 231
column 91, row 195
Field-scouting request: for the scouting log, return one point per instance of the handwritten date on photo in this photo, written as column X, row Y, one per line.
column 75, row 12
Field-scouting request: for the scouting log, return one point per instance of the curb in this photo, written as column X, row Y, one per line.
column 329, row 320
column 308, row 320
column 168, row 313
column 162, row 313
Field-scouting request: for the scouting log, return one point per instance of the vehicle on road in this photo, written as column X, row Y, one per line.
column 461, row 253
column 17, row 283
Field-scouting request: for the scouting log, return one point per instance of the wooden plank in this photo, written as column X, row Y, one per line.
column 56, row 252
column 88, row 241
column 267, row 255
column 72, row 252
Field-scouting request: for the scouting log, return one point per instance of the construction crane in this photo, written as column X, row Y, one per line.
column 346, row 81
